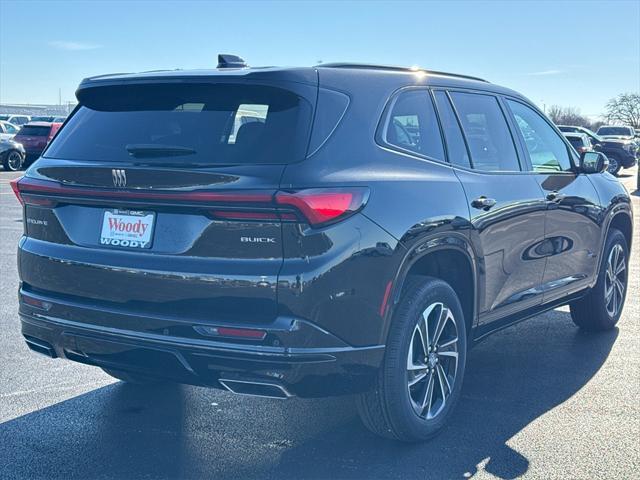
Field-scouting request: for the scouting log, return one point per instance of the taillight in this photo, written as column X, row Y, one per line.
column 325, row 205
column 16, row 190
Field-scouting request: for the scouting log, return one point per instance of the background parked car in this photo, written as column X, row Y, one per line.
column 580, row 141
column 15, row 119
column 616, row 132
column 7, row 130
column 621, row 153
column 12, row 155
column 35, row 136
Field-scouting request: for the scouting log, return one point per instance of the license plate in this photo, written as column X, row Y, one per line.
column 127, row 228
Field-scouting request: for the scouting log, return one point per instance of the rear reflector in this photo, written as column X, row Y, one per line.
column 325, row 205
column 34, row 302
column 246, row 333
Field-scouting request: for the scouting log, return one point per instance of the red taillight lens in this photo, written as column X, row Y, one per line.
column 16, row 189
column 324, row 205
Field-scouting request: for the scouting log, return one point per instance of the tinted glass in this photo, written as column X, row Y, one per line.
column 622, row 131
column 576, row 142
column 486, row 131
column 34, row 131
column 547, row 150
column 194, row 124
column 412, row 125
column 456, row 149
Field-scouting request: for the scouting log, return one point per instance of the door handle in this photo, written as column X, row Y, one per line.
column 556, row 197
column 483, row 203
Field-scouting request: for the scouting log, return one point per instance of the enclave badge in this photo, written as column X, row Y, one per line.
column 119, row 177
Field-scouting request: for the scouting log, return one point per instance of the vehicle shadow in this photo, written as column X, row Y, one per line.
column 123, row 431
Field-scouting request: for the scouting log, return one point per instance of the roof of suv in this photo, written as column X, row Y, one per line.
column 405, row 76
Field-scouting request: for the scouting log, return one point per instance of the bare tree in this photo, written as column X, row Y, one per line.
column 625, row 109
column 567, row 116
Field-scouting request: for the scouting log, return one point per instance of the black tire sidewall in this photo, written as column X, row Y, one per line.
column 416, row 300
column 614, row 237
column 6, row 165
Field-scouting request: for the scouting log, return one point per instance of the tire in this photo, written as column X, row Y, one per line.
column 392, row 409
column 130, row 377
column 614, row 165
column 595, row 311
column 13, row 161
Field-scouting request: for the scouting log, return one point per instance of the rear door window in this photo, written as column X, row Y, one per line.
column 456, row 148
column 411, row 124
column 189, row 124
column 487, row 133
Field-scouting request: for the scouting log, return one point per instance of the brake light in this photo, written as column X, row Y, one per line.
column 324, row 205
column 16, row 189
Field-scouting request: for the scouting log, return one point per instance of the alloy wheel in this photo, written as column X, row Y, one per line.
column 432, row 361
column 613, row 166
column 14, row 161
column 615, row 280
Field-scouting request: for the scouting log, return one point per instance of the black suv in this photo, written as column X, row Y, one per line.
column 621, row 153
column 356, row 233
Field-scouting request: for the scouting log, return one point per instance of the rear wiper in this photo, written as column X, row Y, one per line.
column 141, row 150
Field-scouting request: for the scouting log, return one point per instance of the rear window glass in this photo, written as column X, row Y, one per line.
column 412, row 125
column 622, row 131
column 33, row 131
column 575, row 141
column 190, row 124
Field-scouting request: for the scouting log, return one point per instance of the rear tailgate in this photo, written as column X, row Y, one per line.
column 165, row 207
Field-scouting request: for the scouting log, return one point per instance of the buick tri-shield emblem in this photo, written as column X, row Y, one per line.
column 119, row 177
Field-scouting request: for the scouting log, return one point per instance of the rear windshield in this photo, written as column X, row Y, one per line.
column 576, row 142
column 622, row 131
column 33, row 131
column 187, row 124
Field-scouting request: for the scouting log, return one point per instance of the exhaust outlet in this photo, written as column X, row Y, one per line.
column 255, row 388
column 40, row 346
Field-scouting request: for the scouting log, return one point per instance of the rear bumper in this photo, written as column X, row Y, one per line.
column 306, row 371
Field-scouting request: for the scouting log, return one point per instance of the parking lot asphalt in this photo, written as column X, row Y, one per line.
column 540, row 400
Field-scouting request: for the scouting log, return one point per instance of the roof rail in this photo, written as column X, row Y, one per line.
column 398, row 69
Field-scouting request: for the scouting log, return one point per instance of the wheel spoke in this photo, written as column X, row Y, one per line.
column 621, row 268
column 442, row 321
column 419, row 376
column 411, row 363
column 448, row 354
column 424, row 327
column 428, row 395
column 448, row 343
column 443, row 376
column 442, row 392
column 619, row 286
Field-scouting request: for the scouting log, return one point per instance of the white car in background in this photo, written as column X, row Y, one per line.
column 7, row 130
column 17, row 120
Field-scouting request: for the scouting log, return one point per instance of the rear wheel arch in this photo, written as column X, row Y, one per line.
column 450, row 259
column 621, row 221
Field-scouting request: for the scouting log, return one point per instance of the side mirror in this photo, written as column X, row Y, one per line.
column 593, row 162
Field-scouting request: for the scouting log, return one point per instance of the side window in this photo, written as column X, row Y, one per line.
column 412, row 125
column 487, row 132
column 456, row 148
column 546, row 149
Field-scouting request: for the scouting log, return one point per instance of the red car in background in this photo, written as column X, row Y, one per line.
column 35, row 136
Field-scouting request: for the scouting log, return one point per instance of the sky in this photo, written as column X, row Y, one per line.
column 568, row 53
